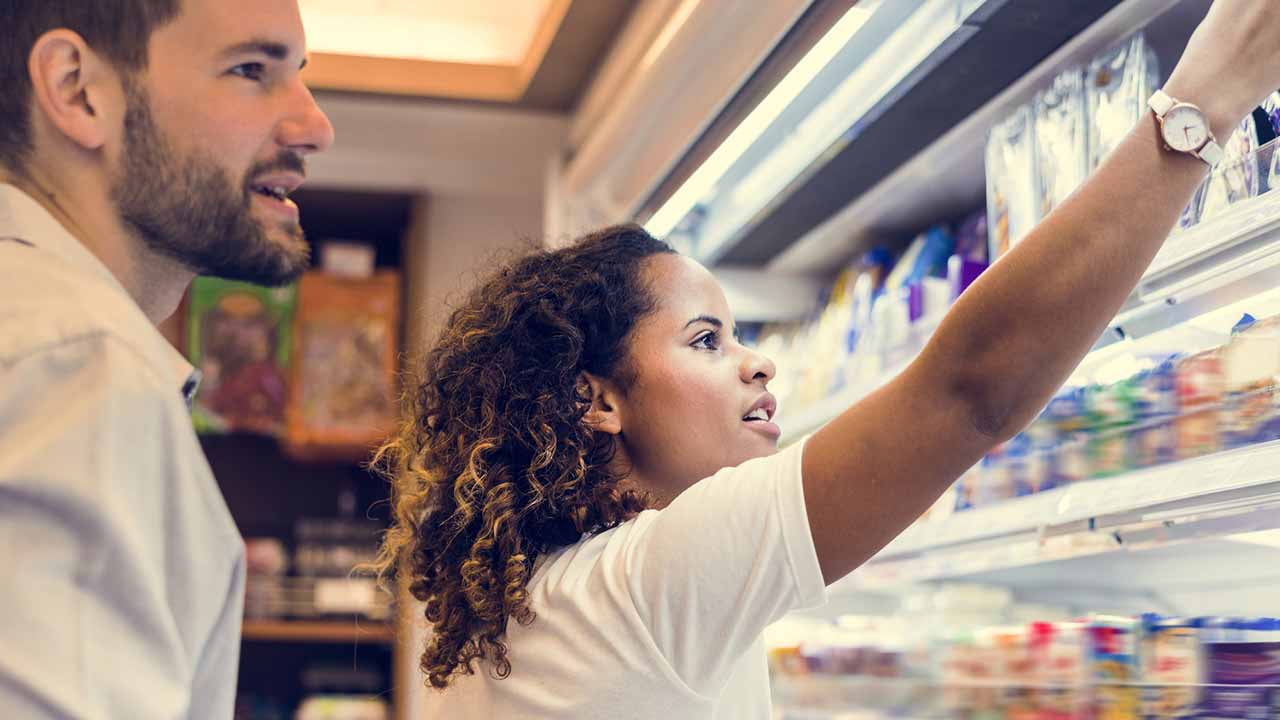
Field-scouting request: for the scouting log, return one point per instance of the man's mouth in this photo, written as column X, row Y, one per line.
column 275, row 192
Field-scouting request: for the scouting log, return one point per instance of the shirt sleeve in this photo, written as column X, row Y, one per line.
column 729, row 556
column 84, row 626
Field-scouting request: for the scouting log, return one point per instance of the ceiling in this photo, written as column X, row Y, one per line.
column 528, row 53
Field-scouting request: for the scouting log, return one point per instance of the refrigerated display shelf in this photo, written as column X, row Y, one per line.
column 1227, row 260
column 331, row 631
column 1215, row 496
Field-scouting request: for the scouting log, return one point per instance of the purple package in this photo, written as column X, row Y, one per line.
column 1242, row 677
column 971, row 237
column 962, row 272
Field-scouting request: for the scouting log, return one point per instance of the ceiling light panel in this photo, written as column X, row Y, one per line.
column 482, row 32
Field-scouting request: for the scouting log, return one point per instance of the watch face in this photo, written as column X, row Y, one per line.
column 1184, row 128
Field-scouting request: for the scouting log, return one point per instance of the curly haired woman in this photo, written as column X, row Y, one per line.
column 588, row 492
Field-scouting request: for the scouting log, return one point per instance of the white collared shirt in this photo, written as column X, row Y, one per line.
column 123, row 570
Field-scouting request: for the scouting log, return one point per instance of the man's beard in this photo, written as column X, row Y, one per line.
column 190, row 210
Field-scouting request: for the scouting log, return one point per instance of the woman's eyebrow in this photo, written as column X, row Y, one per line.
column 714, row 321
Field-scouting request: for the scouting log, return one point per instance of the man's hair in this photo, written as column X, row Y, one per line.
column 119, row 30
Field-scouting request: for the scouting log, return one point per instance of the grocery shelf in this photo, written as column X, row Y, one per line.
column 837, row 213
column 988, row 44
column 1214, row 496
column 311, row 631
column 810, row 418
column 1214, row 265
column 1225, row 260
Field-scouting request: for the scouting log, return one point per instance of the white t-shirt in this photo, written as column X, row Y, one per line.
column 660, row 617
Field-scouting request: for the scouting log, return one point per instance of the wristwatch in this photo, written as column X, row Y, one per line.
column 1184, row 128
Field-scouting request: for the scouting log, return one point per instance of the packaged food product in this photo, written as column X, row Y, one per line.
column 1067, row 415
column 1269, row 166
column 1018, row 465
column 1200, row 396
column 971, row 237
column 344, row 372
column 829, row 339
column 239, row 336
column 967, row 488
column 1244, row 677
column 1251, row 380
column 1012, row 207
column 1042, row 457
column 1113, row 666
column 1014, row 668
column 1236, row 177
column 995, row 478
column 1153, row 440
column 1112, row 412
column 1173, row 667
column 1062, row 139
column 1060, row 671
column 1118, row 85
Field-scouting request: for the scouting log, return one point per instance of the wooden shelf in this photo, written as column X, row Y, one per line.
column 325, row 631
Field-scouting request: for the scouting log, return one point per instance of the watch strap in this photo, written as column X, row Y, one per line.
column 1211, row 153
column 1160, row 103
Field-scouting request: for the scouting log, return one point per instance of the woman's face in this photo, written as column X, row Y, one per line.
column 697, row 393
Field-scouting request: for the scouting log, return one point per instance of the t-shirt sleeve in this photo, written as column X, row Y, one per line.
column 729, row 556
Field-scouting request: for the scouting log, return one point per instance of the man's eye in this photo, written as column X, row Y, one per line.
column 250, row 71
column 708, row 341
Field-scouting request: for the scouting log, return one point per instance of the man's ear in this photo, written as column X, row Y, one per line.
column 605, row 415
column 73, row 87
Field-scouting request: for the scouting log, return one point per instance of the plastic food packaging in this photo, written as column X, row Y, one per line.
column 1118, row 85
column 1154, row 440
column 1243, row 673
column 1236, row 177
column 1173, row 667
column 1200, row 395
column 239, row 336
column 1113, row 666
column 1251, row 374
column 1112, row 411
column 345, row 361
column 1012, row 207
column 1062, row 139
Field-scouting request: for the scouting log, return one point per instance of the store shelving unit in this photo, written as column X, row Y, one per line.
column 1196, row 537
column 268, row 490
column 310, row 631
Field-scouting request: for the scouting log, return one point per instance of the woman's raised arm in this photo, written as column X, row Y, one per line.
column 1016, row 334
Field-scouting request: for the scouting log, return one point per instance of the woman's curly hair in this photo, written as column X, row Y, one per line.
column 492, row 465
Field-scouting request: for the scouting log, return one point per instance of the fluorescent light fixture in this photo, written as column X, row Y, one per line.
column 885, row 68
column 754, row 125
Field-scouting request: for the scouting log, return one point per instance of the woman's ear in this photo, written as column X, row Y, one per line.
column 604, row 415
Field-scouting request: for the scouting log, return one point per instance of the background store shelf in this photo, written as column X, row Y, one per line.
column 329, row 631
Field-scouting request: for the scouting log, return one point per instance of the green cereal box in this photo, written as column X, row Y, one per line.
column 239, row 337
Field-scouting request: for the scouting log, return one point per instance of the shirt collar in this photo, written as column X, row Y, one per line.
column 27, row 221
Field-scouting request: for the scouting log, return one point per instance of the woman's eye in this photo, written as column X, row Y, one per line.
column 708, row 341
column 250, row 71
